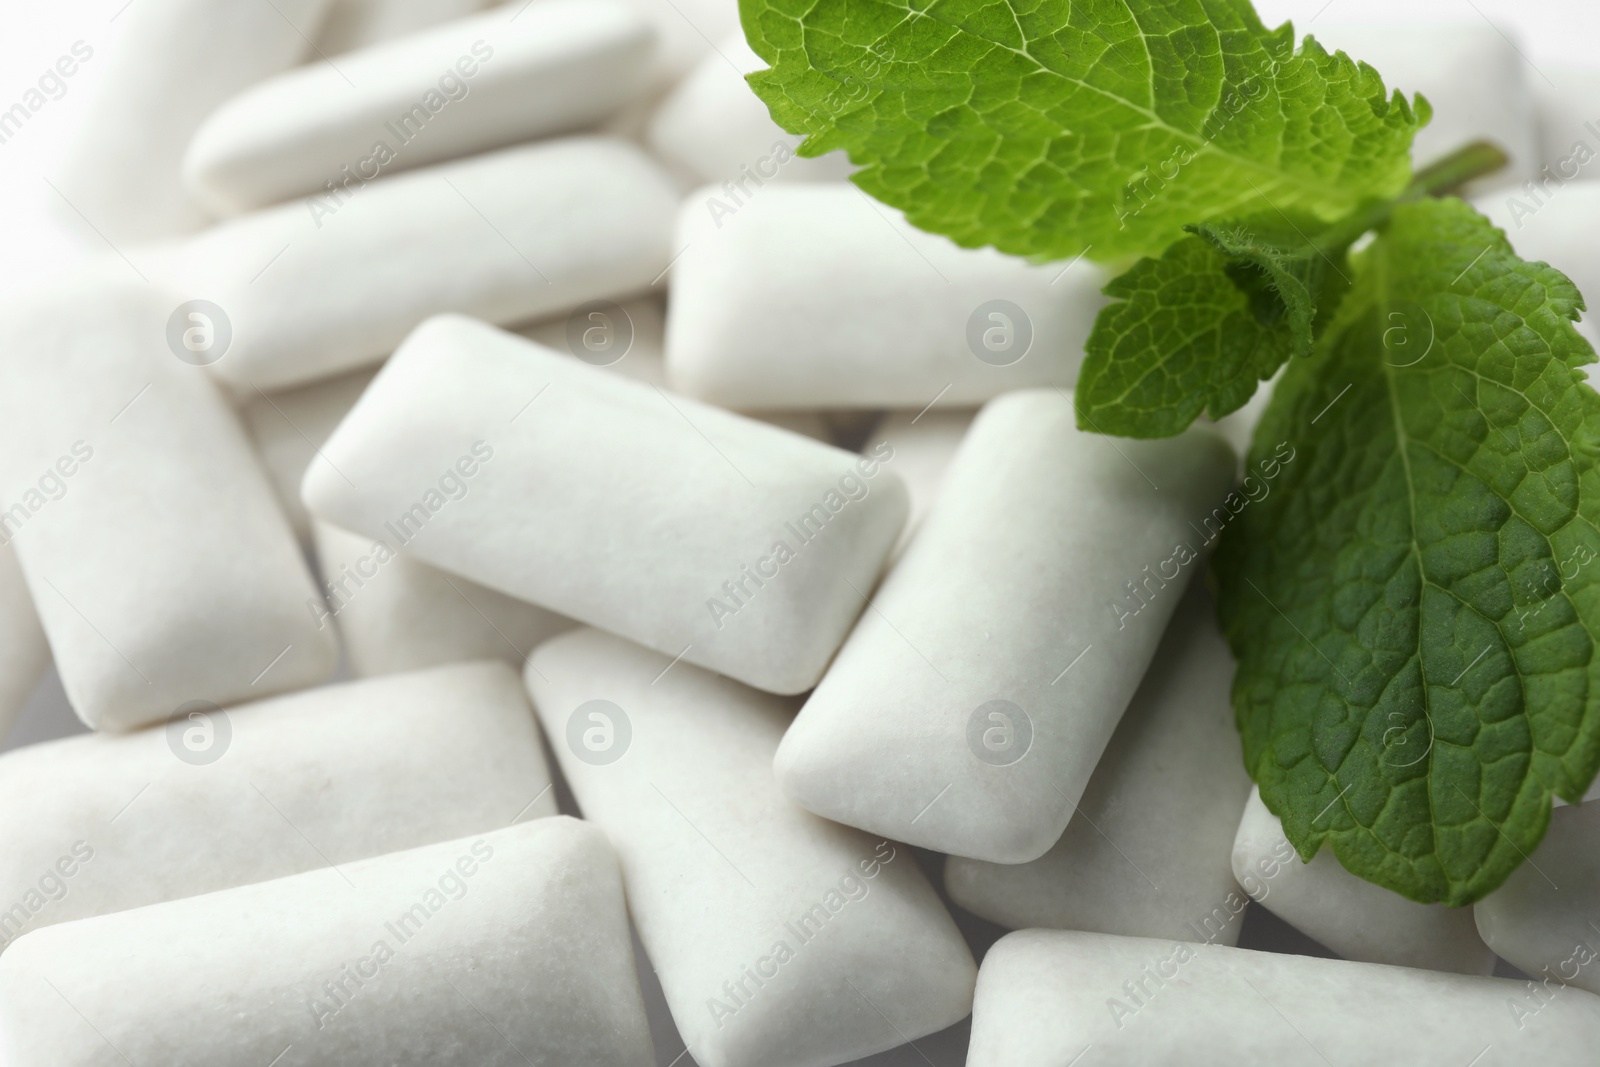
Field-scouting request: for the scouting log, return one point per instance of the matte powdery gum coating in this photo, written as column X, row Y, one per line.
column 552, row 576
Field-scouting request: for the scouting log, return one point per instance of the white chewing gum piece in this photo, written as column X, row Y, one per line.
column 686, row 32
column 715, row 129
column 923, row 443
column 1353, row 917
column 510, row 236
column 24, row 653
column 811, row 295
column 627, row 337
column 353, row 24
column 161, row 566
column 1045, row 996
column 970, row 705
column 395, row 614
column 779, row 939
column 1476, row 78
column 1569, row 130
column 507, row 947
column 222, row 798
column 173, row 64
column 1147, row 852
column 1543, row 919
column 691, row 530
column 515, row 73
column 289, row 427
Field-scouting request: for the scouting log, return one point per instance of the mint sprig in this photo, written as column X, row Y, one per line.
column 1413, row 627
column 1415, row 605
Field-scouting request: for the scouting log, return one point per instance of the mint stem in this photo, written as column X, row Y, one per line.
column 1446, row 175
column 1440, row 178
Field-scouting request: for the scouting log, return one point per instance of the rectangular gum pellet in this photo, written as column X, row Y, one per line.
column 101, row 823
column 353, row 24
column 288, row 427
column 713, row 127
column 1543, row 919
column 924, row 443
column 161, row 566
column 970, row 705
column 173, row 63
column 514, row 73
column 1045, row 997
column 632, row 339
column 860, row 309
column 693, row 531
column 1146, row 853
column 779, row 939
column 395, row 614
column 1355, row 918
column 687, row 31
column 505, row 947
column 518, row 234
column 1564, row 107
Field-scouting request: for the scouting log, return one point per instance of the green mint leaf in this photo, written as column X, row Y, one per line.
column 1411, row 583
column 1288, row 275
column 1182, row 338
column 1053, row 130
column 1198, row 329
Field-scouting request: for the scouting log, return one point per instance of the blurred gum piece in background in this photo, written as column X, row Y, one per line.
column 1569, row 124
column 24, row 653
column 924, row 443
column 395, row 614
column 627, row 338
column 173, row 63
column 353, row 24
column 468, row 86
column 713, row 128
column 508, row 236
column 288, row 428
